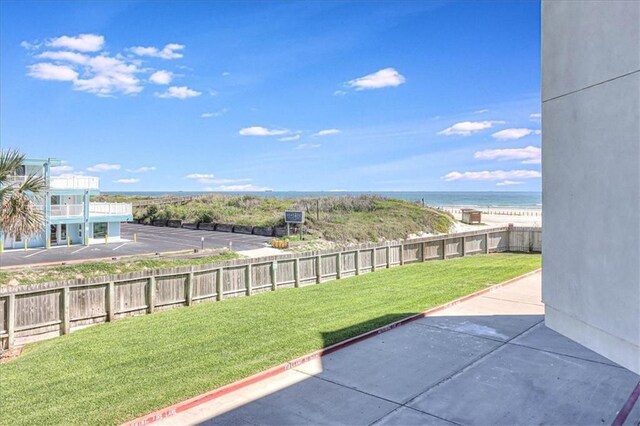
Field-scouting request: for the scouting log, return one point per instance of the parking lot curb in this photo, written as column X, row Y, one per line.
column 274, row 371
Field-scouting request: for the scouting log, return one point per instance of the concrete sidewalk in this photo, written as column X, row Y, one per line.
column 488, row 360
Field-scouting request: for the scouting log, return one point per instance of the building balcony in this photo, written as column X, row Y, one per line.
column 74, row 182
column 107, row 209
column 64, row 182
column 67, row 210
column 95, row 209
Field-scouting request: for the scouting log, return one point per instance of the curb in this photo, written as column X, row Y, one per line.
column 263, row 375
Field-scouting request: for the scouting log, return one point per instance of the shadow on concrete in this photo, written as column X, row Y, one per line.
column 493, row 369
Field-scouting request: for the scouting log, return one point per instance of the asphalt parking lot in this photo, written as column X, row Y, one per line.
column 150, row 240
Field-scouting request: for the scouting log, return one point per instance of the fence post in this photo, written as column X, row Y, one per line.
column 388, row 250
column 318, row 269
column 219, row 272
column 373, row 259
column 338, row 266
column 296, row 272
column 402, row 254
column 274, row 269
column 424, row 251
column 486, row 243
column 11, row 320
column 66, row 321
column 189, row 288
column 151, row 294
column 247, row 279
column 462, row 240
column 357, row 259
column 111, row 301
column 444, row 248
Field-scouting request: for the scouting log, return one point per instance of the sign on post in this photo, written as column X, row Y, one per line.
column 293, row 216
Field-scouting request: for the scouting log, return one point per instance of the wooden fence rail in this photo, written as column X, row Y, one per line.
column 35, row 312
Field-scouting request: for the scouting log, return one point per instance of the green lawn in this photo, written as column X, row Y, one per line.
column 115, row 372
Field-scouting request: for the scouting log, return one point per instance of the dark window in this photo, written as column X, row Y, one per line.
column 99, row 230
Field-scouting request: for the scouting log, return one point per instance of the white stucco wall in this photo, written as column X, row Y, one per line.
column 591, row 174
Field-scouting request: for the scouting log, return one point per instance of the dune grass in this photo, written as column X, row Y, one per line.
column 339, row 218
column 114, row 372
column 47, row 274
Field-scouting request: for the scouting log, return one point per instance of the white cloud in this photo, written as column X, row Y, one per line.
column 516, row 133
column 290, row 138
column 60, row 170
column 262, row 131
column 30, row 46
column 103, row 167
column 226, row 73
column 241, row 188
column 202, row 177
column 339, row 93
column 167, row 52
column 308, row 146
column 466, row 128
column 387, row 77
column 81, row 42
column 161, row 77
column 210, row 178
column 108, row 75
column 481, row 111
column 182, row 92
column 492, row 175
column 47, row 71
column 509, row 183
column 327, row 132
column 214, row 113
column 127, row 180
column 101, row 75
column 74, row 57
column 528, row 155
column 536, row 116
column 142, row 169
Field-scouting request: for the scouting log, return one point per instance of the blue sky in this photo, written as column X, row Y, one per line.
column 440, row 95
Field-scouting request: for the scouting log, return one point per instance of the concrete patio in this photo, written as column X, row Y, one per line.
column 488, row 360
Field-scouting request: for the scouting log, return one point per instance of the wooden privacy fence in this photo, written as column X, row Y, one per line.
column 35, row 312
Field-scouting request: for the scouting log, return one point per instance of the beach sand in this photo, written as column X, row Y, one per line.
column 498, row 216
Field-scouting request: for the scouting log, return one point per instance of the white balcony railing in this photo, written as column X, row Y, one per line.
column 67, row 210
column 74, row 182
column 63, row 182
column 95, row 209
column 109, row 209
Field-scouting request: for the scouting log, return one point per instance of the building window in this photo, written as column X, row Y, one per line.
column 99, row 230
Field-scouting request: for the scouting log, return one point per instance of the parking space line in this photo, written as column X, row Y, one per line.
column 122, row 245
column 80, row 249
column 33, row 254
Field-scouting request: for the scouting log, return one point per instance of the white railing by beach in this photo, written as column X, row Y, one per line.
column 74, row 182
column 66, row 210
column 109, row 208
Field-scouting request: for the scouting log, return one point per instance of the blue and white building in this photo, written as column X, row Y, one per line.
column 70, row 217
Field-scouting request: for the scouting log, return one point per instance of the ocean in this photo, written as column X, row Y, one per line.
column 517, row 199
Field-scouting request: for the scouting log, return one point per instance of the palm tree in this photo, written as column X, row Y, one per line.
column 19, row 215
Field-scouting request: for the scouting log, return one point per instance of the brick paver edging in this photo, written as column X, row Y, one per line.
column 258, row 377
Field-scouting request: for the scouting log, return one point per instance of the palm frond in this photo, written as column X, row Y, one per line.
column 10, row 162
column 34, row 184
column 19, row 215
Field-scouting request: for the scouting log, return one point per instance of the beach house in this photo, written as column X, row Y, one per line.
column 70, row 217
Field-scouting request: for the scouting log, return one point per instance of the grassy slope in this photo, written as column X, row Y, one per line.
column 98, row 269
column 343, row 218
column 114, row 372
